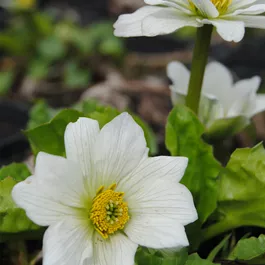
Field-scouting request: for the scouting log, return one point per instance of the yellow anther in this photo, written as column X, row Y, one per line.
column 221, row 5
column 107, row 216
column 112, row 186
column 100, row 189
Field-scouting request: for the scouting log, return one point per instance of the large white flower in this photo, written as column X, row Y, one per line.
column 159, row 17
column 107, row 197
column 221, row 98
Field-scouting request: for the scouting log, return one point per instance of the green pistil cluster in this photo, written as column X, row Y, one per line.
column 113, row 211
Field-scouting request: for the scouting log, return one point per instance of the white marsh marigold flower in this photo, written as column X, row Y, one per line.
column 107, row 196
column 159, row 17
column 221, row 97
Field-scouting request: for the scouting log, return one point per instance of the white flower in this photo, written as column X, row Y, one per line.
column 221, row 98
column 107, row 197
column 159, row 17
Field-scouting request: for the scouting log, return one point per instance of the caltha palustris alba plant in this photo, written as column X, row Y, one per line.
column 107, row 196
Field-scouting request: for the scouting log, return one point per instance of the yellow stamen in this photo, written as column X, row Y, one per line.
column 109, row 212
column 221, row 5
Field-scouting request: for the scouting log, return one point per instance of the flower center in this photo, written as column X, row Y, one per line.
column 221, row 5
column 109, row 212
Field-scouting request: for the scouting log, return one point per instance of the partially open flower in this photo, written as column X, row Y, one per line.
column 221, row 98
column 107, row 196
column 159, row 17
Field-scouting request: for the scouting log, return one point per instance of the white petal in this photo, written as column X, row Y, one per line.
column 119, row 148
column 79, row 139
column 63, row 176
column 229, row 30
column 116, row 250
column 210, row 109
column 177, row 97
column 130, row 25
column 158, row 212
column 247, row 86
column 178, row 4
column 152, row 21
column 244, row 93
column 156, row 232
column 217, row 81
column 68, row 242
column 243, row 106
column 206, row 8
column 252, row 21
column 163, row 198
column 180, row 76
column 260, row 104
column 41, row 202
column 165, row 21
column 152, row 169
column 237, row 4
column 252, row 10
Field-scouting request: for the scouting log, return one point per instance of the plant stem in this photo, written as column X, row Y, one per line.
column 199, row 60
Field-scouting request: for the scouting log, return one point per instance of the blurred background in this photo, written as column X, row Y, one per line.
column 56, row 53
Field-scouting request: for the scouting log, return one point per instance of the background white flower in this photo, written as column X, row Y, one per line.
column 159, row 17
column 221, row 98
column 107, row 197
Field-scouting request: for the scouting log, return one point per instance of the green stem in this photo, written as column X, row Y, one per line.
column 199, row 60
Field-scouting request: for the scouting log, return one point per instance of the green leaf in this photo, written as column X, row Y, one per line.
column 49, row 137
column 112, row 47
column 250, row 249
column 40, row 113
column 17, row 171
column 6, row 81
column 76, row 77
column 89, row 106
column 12, row 218
column 145, row 256
column 38, row 69
column 194, row 259
column 183, row 138
column 43, row 22
column 241, row 189
column 224, row 128
column 51, row 48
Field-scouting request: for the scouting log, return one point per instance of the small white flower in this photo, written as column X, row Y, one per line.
column 221, row 98
column 107, row 197
column 159, row 17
